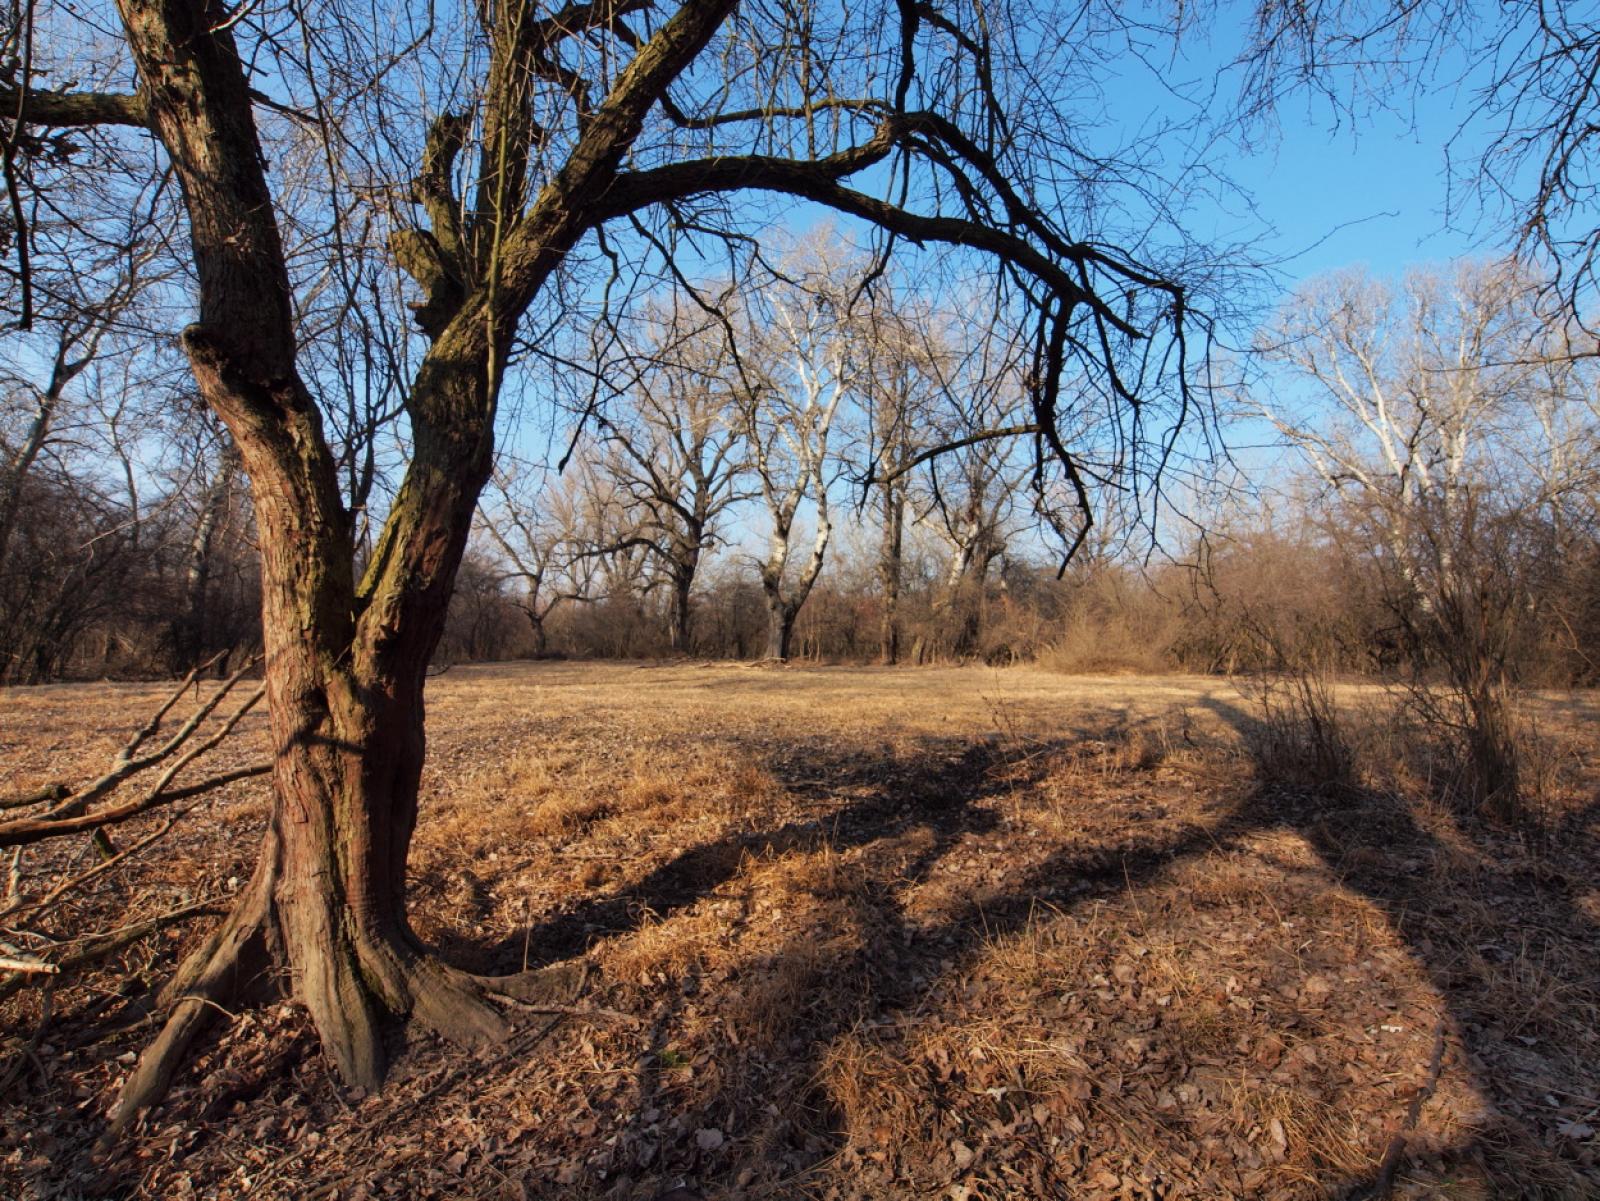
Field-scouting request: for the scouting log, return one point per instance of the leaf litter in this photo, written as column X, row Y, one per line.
column 862, row 934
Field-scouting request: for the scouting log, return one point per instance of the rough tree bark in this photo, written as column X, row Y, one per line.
column 890, row 567
column 346, row 661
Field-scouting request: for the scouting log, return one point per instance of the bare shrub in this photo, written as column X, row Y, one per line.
column 1114, row 621
column 1300, row 738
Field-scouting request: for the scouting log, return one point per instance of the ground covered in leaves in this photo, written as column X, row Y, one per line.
column 860, row 933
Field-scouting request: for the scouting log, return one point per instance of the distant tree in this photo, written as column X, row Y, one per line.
column 678, row 456
column 971, row 491
column 898, row 389
column 205, row 620
column 1442, row 411
column 87, row 511
column 787, row 402
column 535, row 529
column 483, row 623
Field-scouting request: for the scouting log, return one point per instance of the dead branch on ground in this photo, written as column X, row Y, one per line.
column 151, row 774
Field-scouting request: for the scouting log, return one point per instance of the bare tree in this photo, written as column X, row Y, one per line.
column 787, row 416
column 533, row 548
column 219, row 525
column 1433, row 411
column 677, row 454
column 1434, row 387
column 898, row 385
column 75, row 316
column 623, row 117
column 550, row 539
column 971, row 491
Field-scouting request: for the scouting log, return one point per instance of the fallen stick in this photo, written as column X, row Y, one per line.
column 24, row 831
column 35, row 966
column 1383, row 1183
column 36, row 908
column 126, row 763
column 50, row 792
column 117, row 940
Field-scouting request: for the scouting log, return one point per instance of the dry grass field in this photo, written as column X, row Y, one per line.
column 861, row 933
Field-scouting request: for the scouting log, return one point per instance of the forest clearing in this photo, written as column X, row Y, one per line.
column 1192, row 413
column 847, row 932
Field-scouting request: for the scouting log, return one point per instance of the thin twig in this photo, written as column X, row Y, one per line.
column 75, row 882
column 1383, row 1183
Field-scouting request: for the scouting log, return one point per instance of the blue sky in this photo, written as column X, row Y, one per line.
column 1370, row 187
column 1375, row 195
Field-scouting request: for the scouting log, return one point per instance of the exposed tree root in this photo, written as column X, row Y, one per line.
column 216, row 974
column 560, row 983
column 373, row 974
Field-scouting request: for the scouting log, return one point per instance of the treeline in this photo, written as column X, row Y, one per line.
column 1272, row 598
column 796, row 472
column 1431, row 508
column 93, row 586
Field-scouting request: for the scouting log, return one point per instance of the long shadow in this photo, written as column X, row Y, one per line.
column 938, row 788
column 1490, row 923
column 935, row 799
column 898, row 955
column 1359, row 839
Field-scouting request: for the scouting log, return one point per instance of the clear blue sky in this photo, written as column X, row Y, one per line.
column 1370, row 188
column 1375, row 195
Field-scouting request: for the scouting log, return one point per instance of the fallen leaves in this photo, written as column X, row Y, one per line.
column 831, row 961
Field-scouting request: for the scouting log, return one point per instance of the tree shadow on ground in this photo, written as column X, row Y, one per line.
column 1513, row 955
column 939, row 788
column 1466, row 922
column 899, row 955
column 905, row 815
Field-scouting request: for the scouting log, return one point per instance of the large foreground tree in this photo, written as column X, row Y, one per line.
column 558, row 158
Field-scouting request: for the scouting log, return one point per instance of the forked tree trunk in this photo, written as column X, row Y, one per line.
column 541, row 639
column 345, row 664
column 782, row 610
column 346, row 661
column 346, row 705
column 685, row 566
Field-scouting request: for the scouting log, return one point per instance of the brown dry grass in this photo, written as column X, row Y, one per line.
column 935, row 933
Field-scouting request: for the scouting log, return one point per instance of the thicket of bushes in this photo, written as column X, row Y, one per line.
column 1268, row 599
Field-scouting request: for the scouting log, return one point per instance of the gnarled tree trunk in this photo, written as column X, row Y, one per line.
column 346, row 659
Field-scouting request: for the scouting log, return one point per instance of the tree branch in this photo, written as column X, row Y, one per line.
column 73, row 109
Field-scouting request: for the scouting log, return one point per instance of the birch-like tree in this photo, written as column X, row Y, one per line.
column 1451, row 418
column 787, row 408
column 676, row 452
